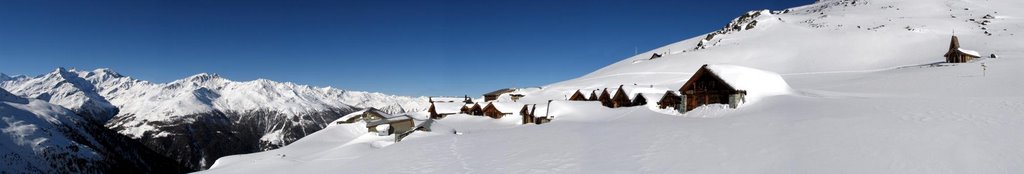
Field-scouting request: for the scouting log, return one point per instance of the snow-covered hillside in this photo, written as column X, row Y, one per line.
column 866, row 95
column 202, row 117
column 39, row 137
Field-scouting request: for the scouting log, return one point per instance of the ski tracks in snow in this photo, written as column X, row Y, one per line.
column 458, row 156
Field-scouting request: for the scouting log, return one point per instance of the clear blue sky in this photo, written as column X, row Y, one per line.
column 397, row 47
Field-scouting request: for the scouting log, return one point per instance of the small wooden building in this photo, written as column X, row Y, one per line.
column 531, row 115
column 441, row 110
column 527, row 114
column 465, row 109
column 621, row 99
column 578, row 96
column 955, row 54
column 498, row 110
column 369, row 114
column 670, row 99
column 605, row 98
column 639, row 100
column 705, row 87
column 396, row 124
column 493, row 95
column 475, row 110
column 593, row 95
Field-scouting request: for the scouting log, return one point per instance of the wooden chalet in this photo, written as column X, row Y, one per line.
column 529, row 115
column 593, row 95
column 955, row 54
column 465, row 109
column 365, row 115
column 639, row 100
column 670, row 99
column 441, row 110
column 498, row 110
column 475, row 109
column 396, row 124
column 493, row 95
column 705, row 87
column 605, row 98
column 578, row 96
column 422, row 126
column 621, row 99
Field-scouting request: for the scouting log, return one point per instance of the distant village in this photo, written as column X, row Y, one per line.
column 704, row 87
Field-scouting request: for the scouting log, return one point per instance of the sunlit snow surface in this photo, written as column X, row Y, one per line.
column 866, row 96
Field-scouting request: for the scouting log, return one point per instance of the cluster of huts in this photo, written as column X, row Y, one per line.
column 703, row 88
column 496, row 110
column 620, row 99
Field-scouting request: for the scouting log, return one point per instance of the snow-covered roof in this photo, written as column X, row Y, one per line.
column 969, row 52
column 500, row 91
column 390, row 119
column 448, row 99
column 448, row 108
column 361, row 112
column 756, row 82
column 508, row 107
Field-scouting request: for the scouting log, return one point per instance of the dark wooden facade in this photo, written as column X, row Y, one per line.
column 955, row 55
column 705, row 87
column 464, row 109
column 578, row 96
column 639, row 100
column 593, row 96
column 669, row 100
column 492, row 111
column 605, row 98
column 527, row 114
column 621, row 99
column 475, row 110
column 531, row 116
column 433, row 112
column 493, row 95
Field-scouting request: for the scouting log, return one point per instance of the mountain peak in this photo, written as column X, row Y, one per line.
column 203, row 77
column 106, row 71
column 62, row 73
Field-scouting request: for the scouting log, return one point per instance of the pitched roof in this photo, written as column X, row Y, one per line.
column 361, row 112
column 388, row 120
column 969, row 52
column 506, row 107
column 500, row 91
column 448, row 108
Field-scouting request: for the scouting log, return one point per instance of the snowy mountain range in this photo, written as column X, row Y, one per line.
column 866, row 92
column 202, row 117
column 40, row 137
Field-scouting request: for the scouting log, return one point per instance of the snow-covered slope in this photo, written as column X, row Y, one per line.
column 39, row 137
column 205, row 116
column 64, row 88
column 866, row 95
